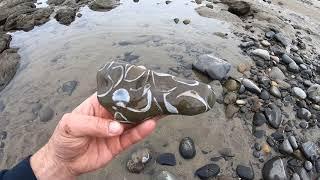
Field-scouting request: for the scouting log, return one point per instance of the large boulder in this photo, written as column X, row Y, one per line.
column 214, row 67
column 103, row 5
column 239, row 8
column 9, row 60
column 65, row 16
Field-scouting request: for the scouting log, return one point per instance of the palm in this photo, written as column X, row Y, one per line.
column 90, row 153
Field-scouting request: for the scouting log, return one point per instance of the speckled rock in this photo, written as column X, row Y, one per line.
column 251, row 86
column 208, row 171
column 274, row 169
column 273, row 115
column 133, row 93
column 138, row 159
column 187, row 148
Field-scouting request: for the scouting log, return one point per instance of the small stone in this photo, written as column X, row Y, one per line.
column 187, row 148
column 264, row 54
column 138, row 159
column 209, row 6
column 303, row 124
column 176, row 20
column 286, row 59
column 275, row 92
column 273, row 115
column 314, row 93
column 46, row 114
column 295, row 176
column 285, row 147
column 186, row 21
column 257, row 146
column 251, row 86
column 264, row 95
column 247, row 44
column 293, row 142
column 274, row 169
column 3, row 135
column 164, row 175
column 307, row 165
column 230, row 98
column 298, row 60
column 245, row 172
column 259, row 119
column 270, row 34
column 79, row 15
column 276, row 74
column 299, row 93
column 309, row 149
column 69, row 87
column 282, row 39
column 259, row 134
column 275, row 59
column 241, row 102
column 294, row 48
column 256, row 154
column 198, row 1
column 232, row 85
column 304, row 113
column 208, row 171
column 216, row 68
column 243, row 67
column 265, row 43
column 239, row 8
column 293, row 67
column 168, row 2
column 167, row 159
column 2, row 106
column 266, row 148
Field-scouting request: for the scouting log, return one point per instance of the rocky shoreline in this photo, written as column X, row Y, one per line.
column 276, row 98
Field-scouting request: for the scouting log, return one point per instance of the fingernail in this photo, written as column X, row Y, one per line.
column 114, row 127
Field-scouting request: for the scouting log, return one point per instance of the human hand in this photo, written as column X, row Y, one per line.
column 85, row 140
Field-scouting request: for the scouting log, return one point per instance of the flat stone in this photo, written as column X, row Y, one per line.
column 274, row 169
column 264, row 54
column 69, row 87
column 259, row 134
column 282, row 39
column 208, row 171
column 133, row 93
column 259, row 119
column 275, row 92
column 164, row 175
column 309, row 149
column 46, row 114
column 138, row 160
column 103, row 5
column 270, row 34
column 298, row 59
column 245, row 172
column 168, row 159
column 273, row 115
column 264, row 95
column 314, row 93
column 187, row 148
column 304, row 113
column 186, row 21
column 285, row 147
column 299, row 93
column 276, row 74
column 251, row 86
column 214, row 67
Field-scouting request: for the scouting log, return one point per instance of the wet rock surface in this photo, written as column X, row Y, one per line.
column 120, row 89
column 187, row 148
column 103, row 5
column 9, row 61
column 208, row 171
column 65, row 16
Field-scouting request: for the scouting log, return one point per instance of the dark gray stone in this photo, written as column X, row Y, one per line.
column 303, row 174
column 304, row 113
column 46, row 114
column 2, row 106
column 245, row 172
column 259, row 133
column 208, row 171
column 297, row 59
column 303, row 124
column 55, row 2
column 251, row 86
column 270, row 34
column 275, row 92
column 216, row 68
column 285, row 147
column 259, row 119
column 69, row 87
column 274, row 169
column 264, row 95
column 273, row 115
column 239, row 8
column 293, row 67
column 168, row 159
column 276, row 74
column 282, row 39
column 65, row 16
column 287, row 59
column 176, row 20
column 186, row 21
column 187, row 148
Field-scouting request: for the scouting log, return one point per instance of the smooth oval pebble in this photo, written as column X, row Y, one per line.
column 164, row 175
column 208, row 171
column 133, row 93
column 307, row 165
column 187, row 148
column 245, row 172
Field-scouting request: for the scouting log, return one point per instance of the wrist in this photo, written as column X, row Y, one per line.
column 45, row 167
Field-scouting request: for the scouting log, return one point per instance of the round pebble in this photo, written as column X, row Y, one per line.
column 307, row 165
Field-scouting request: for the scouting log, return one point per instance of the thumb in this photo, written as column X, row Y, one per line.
column 81, row 125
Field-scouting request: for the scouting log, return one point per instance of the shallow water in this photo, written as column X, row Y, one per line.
column 142, row 33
